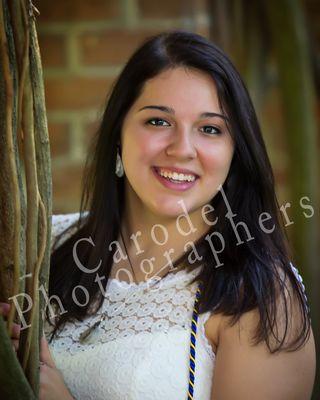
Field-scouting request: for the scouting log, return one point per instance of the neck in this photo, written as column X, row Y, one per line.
column 158, row 238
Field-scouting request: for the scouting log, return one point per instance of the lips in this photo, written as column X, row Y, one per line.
column 173, row 185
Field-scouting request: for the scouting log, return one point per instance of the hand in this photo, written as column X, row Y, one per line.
column 52, row 386
column 15, row 335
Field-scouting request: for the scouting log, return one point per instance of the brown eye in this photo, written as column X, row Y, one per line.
column 157, row 122
column 211, row 130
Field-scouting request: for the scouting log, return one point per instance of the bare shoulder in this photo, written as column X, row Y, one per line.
column 253, row 368
column 212, row 329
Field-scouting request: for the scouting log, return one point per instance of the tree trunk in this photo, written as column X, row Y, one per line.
column 299, row 105
column 25, row 197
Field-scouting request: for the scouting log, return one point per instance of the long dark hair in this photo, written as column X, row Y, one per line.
column 256, row 273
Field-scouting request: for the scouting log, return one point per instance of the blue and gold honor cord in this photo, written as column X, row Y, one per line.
column 192, row 358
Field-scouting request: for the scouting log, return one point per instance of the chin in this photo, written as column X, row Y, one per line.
column 170, row 209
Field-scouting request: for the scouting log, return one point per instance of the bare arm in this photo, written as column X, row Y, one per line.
column 244, row 371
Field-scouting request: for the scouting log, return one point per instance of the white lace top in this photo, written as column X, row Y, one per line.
column 140, row 349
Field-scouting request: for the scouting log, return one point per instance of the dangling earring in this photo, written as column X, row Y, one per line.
column 119, row 165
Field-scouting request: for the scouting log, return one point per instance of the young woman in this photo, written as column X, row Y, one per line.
column 174, row 281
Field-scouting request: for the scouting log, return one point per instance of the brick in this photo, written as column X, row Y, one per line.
column 112, row 46
column 165, row 8
column 203, row 30
column 75, row 10
column 52, row 49
column 76, row 93
column 59, row 136
column 66, row 183
column 65, row 207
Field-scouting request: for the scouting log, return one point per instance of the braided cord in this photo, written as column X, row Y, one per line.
column 192, row 361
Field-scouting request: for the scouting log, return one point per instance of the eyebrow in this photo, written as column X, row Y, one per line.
column 170, row 110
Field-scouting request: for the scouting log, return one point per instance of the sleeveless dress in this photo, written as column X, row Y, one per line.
column 140, row 348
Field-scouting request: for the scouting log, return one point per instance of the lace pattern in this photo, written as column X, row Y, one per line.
column 129, row 309
column 139, row 350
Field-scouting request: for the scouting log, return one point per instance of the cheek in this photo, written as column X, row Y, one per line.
column 142, row 149
column 217, row 160
column 147, row 149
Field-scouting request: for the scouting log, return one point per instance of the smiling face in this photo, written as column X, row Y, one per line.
column 176, row 129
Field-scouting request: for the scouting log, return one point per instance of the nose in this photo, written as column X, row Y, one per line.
column 181, row 145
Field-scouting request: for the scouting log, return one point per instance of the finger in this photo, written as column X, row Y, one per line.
column 15, row 344
column 4, row 309
column 45, row 355
column 15, row 334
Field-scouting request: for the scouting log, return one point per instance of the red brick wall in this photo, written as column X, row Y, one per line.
column 84, row 45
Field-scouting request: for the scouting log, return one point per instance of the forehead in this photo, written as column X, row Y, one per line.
column 180, row 88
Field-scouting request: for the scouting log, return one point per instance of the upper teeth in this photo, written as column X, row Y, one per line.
column 176, row 176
